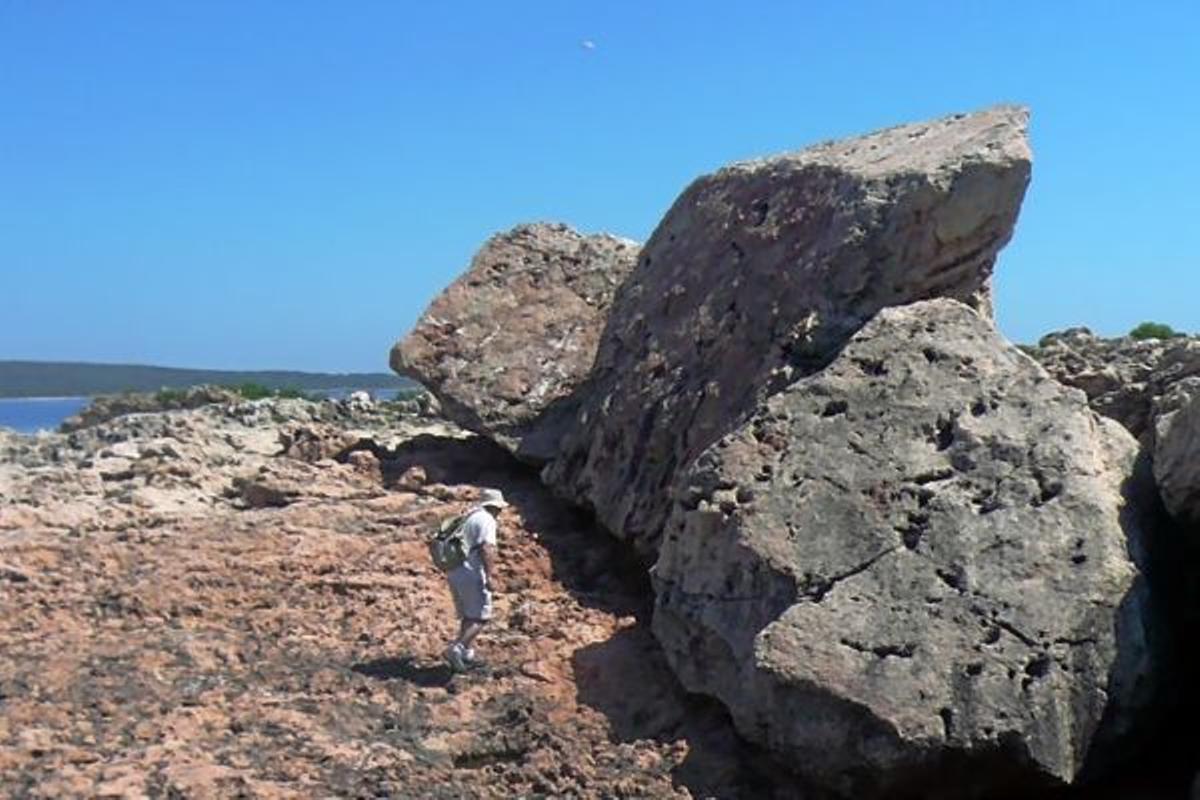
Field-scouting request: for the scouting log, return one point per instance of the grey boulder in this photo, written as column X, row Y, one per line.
column 915, row 572
column 759, row 272
column 504, row 346
column 1176, row 453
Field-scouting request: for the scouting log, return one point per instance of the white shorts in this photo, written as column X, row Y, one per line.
column 472, row 600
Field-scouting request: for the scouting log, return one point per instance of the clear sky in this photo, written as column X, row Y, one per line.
column 287, row 183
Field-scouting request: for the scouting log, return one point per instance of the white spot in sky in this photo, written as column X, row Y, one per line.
column 588, row 44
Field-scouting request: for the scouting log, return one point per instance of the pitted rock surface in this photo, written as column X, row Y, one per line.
column 1132, row 381
column 505, row 345
column 759, row 272
column 912, row 571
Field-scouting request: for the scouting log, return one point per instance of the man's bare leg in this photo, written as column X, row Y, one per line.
column 467, row 632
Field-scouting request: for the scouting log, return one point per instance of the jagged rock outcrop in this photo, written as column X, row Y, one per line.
column 756, row 276
column 1126, row 379
column 504, row 347
column 1150, row 386
column 1176, row 455
column 147, row 467
column 914, row 572
column 106, row 407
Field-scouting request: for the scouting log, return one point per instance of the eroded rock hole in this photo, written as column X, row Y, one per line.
column 947, row 716
column 1048, row 489
column 985, row 502
column 956, row 579
column 834, row 408
column 932, row 355
column 761, row 209
column 933, row 477
column 1037, row 667
column 914, row 529
column 871, row 366
column 943, row 435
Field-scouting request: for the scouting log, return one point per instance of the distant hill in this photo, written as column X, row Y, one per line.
column 66, row 379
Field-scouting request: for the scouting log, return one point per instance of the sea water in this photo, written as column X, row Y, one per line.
column 33, row 414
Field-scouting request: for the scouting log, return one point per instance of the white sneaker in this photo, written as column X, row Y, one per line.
column 454, row 657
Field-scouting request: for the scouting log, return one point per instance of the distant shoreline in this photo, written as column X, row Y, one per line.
column 51, row 379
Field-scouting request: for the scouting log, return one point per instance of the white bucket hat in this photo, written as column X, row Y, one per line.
column 492, row 498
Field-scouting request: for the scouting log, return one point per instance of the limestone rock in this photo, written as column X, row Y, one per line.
column 106, row 407
column 504, row 346
column 258, row 493
column 760, row 271
column 1149, row 386
column 1125, row 379
column 1176, row 454
column 911, row 573
column 360, row 400
column 313, row 442
column 145, row 469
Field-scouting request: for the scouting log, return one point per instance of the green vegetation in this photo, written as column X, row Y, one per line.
column 407, row 394
column 64, row 379
column 169, row 397
column 256, row 391
column 1155, row 330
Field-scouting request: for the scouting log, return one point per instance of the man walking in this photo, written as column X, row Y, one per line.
column 470, row 583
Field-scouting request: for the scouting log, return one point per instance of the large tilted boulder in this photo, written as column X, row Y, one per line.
column 913, row 573
column 759, row 272
column 505, row 345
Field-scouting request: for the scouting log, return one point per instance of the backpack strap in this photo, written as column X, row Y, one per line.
column 470, row 513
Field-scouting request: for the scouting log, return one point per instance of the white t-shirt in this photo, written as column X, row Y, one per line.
column 478, row 530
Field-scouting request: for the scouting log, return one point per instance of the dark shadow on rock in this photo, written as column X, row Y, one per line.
column 406, row 669
column 599, row 571
column 448, row 459
column 1159, row 755
column 1151, row 755
column 626, row 678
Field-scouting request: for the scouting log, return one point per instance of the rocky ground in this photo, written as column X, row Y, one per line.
column 235, row 601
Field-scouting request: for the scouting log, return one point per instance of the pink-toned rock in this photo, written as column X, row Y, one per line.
column 291, row 646
column 413, row 479
column 504, row 347
column 365, row 463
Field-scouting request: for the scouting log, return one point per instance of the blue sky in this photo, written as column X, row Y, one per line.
column 287, row 184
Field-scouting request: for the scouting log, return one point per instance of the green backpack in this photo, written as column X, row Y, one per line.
column 448, row 545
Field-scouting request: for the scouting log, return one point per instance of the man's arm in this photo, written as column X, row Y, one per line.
column 488, row 552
